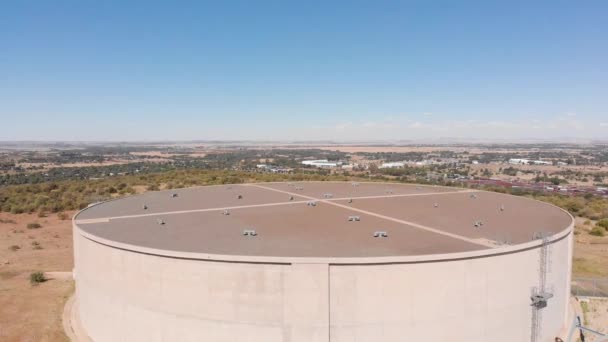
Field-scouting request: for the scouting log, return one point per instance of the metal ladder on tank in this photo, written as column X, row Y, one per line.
column 540, row 295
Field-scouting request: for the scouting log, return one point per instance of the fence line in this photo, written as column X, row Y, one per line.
column 590, row 287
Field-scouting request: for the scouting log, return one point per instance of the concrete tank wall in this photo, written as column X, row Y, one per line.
column 126, row 295
column 483, row 299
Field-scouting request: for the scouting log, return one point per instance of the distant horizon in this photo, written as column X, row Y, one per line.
column 404, row 142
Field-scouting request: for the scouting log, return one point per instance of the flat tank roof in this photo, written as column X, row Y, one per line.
column 417, row 219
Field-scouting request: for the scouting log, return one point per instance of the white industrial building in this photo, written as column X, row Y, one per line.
column 321, row 163
column 516, row 161
column 392, row 165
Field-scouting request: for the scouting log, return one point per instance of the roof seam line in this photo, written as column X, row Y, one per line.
column 404, row 195
column 412, row 224
column 105, row 219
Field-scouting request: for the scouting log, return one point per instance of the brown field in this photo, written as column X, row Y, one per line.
column 419, row 148
column 404, row 149
column 166, row 155
column 590, row 252
column 48, row 166
column 33, row 313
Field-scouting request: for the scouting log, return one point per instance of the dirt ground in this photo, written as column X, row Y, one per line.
column 595, row 316
column 33, row 313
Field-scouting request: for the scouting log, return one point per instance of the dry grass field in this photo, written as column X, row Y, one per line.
column 590, row 252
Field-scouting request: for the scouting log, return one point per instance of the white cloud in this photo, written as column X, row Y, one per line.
column 603, row 124
column 343, row 126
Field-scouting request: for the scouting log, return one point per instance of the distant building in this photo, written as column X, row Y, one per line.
column 273, row 169
column 280, row 170
column 322, row 163
column 392, row 165
column 516, row 161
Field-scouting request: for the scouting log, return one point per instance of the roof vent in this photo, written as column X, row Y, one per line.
column 350, row 200
column 145, row 207
column 354, row 218
column 249, row 232
column 389, row 191
column 291, row 198
column 354, row 184
column 328, row 195
column 380, row 234
column 299, row 188
column 173, row 195
column 436, row 205
column 473, row 196
column 229, row 188
column 477, row 224
column 502, row 207
column 239, row 196
column 226, row 212
column 161, row 222
column 311, row 203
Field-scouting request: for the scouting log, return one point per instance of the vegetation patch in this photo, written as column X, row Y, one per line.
column 37, row 278
column 34, row 225
column 598, row 231
column 59, row 196
column 585, row 309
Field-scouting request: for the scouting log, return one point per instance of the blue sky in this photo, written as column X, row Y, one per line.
column 303, row 70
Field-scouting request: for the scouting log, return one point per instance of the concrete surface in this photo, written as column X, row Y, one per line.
column 133, row 291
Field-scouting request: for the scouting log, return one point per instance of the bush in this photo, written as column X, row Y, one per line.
column 14, row 248
column 62, row 216
column 598, row 231
column 36, row 245
column 603, row 223
column 37, row 278
column 587, row 222
column 33, row 225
